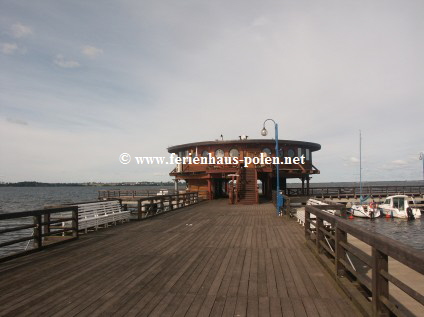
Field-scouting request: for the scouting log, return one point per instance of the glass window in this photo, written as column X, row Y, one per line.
column 399, row 203
column 205, row 153
column 299, row 152
column 281, row 153
column 290, row 153
column 267, row 151
column 234, row 153
column 307, row 154
column 219, row 153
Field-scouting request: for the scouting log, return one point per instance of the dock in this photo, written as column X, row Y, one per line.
column 209, row 259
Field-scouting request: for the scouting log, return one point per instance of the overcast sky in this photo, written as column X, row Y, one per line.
column 83, row 81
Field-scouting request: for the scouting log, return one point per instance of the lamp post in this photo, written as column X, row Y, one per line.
column 279, row 197
column 422, row 159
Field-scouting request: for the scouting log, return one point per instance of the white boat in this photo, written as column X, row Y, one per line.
column 162, row 192
column 397, row 206
column 361, row 209
column 365, row 210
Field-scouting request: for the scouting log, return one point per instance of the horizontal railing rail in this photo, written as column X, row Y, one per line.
column 117, row 193
column 355, row 191
column 145, row 207
column 328, row 236
column 18, row 229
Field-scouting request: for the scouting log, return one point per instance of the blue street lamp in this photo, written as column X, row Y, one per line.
column 279, row 197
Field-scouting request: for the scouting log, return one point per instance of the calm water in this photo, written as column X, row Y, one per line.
column 31, row 198
column 402, row 230
column 14, row 199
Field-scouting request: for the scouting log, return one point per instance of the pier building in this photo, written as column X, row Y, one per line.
column 242, row 169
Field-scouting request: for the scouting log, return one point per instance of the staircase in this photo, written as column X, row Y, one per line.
column 247, row 186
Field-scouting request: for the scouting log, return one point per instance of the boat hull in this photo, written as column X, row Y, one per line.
column 396, row 213
column 364, row 211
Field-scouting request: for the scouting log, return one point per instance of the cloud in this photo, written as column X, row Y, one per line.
column 350, row 161
column 8, row 48
column 91, row 51
column 61, row 62
column 19, row 30
column 400, row 162
column 17, row 121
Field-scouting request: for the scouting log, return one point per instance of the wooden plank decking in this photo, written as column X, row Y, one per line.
column 212, row 259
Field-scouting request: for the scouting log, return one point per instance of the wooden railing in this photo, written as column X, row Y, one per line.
column 330, row 237
column 18, row 229
column 145, row 207
column 354, row 192
column 118, row 193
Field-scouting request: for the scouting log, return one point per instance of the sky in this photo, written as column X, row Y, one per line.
column 83, row 81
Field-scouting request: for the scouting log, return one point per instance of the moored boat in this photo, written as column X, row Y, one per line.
column 400, row 206
column 370, row 210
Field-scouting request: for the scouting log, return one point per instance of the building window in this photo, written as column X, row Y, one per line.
column 205, row 153
column 290, row 153
column 307, row 154
column 219, row 153
column 299, row 152
column 234, row 153
column 267, row 151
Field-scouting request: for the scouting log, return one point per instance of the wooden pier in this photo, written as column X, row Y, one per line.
column 211, row 259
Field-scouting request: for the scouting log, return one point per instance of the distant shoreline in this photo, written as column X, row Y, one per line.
column 165, row 184
column 39, row 184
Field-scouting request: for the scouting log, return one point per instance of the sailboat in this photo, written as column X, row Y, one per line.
column 362, row 209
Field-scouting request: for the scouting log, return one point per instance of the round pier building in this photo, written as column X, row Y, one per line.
column 242, row 170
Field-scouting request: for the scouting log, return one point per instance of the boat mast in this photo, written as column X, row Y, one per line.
column 360, row 166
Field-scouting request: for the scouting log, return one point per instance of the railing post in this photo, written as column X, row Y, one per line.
column 307, row 224
column 341, row 236
column 46, row 225
column 139, row 211
column 38, row 232
column 319, row 234
column 75, row 228
column 380, row 286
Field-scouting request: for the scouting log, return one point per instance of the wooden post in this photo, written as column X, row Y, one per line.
column 139, row 211
column 380, row 286
column 319, row 234
column 75, row 229
column 38, row 232
column 307, row 185
column 47, row 225
column 307, row 224
column 341, row 236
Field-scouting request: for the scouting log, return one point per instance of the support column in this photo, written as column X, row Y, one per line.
column 269, row 186
column 307, row 185
column 210, row 189
column 176, row 185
